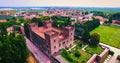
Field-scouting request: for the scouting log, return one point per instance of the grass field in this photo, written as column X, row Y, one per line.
column 109, row 34
column 38, row 11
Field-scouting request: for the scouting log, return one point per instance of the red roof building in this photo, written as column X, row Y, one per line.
column 51, row 39
column 115, row 22
column 2, row 21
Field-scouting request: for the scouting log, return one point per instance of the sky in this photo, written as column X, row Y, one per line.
column 85, row 3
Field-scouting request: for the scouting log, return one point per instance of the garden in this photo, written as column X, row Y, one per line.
column 78, row 55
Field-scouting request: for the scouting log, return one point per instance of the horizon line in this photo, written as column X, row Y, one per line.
column 61, row 6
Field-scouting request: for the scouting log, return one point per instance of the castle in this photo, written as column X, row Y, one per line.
column 50, row 40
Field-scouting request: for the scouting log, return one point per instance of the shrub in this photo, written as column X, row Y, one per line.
column 111, row 52
column 75, row 61
column 77, row 54
column 68, row 58
column 80, row 44
column 66, row 55
column 83, row 61
column 64, row 52
column 118, row 57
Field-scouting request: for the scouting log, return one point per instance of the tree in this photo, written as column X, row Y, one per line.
column 77, row 54
column 21, row 20
column 3, row 28
column 34, row 19
column 61, row 21
column 58, row 23
column 45, row 18
column 26, row 30
column 38, row 20
column 13, row 49
column 28, row 21
column 99, row 13
column 86, row 34
column 115, row 16
column 94, row 39
column 118, row 57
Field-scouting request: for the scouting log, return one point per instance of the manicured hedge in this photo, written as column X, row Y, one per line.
column 118, row 57
column 111, row 52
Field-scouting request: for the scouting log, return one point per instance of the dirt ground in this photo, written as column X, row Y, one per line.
column 31, row 59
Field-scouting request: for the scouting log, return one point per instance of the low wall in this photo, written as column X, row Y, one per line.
column 104, row 53
column 92, row 59
column 98, row 58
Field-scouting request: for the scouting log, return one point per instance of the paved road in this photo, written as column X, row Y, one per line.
column 41, row 58
column 116, row 50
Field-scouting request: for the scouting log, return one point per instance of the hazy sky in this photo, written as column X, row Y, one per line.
column 91, row 3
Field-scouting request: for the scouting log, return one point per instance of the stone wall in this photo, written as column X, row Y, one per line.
column 98, row 58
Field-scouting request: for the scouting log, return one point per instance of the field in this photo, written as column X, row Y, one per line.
column 38, row 11
column 109, row 34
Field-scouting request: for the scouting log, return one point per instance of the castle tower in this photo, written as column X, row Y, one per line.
column 52, row 37
column 69, row 31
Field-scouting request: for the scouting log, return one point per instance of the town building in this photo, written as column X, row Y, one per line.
column 50, row 40
column 102, row 19
column 116, row 22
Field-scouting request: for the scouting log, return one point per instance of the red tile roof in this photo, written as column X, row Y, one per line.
column 2, row 20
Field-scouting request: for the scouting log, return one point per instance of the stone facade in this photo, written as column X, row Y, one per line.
column 49, row 39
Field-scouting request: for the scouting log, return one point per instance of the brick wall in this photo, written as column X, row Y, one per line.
column 99, row 58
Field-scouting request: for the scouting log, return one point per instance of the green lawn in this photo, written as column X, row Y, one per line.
column 39, row 11
column 83, row 58
column 94, row 49
column 109, row 34
column 85, row 55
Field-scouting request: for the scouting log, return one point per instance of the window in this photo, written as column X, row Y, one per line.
column 59, row 45
column 47, row 46
column 71, row 33
column 67, row 41
column 54, row 52
column 54, row 47
column 54, row 40
column 63, row 42
column 71, row 39
column 48, row 52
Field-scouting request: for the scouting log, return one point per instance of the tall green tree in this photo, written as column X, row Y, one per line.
column 26, row 30
column 3, row 28
column 94, row 39
column 13, row 49
column 44, row 18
